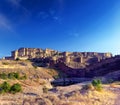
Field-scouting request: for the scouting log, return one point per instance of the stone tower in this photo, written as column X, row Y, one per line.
column 15, row 54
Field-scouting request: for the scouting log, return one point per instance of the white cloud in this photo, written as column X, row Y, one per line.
column 5, row 23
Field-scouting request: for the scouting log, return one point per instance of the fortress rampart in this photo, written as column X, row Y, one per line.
column 69, row 58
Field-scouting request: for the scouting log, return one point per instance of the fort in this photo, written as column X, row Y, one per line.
column 29, row 53
column 72, row 59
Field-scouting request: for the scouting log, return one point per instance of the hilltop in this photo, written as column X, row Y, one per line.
column 47, row 77
column 71, row 64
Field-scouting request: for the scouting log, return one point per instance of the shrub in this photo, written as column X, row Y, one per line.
column 5, row 87
column 97, row 84
column 15, row 88
column 16, row 75
column 13, row 75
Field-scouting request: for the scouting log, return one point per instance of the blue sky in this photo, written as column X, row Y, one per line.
column 64, row 25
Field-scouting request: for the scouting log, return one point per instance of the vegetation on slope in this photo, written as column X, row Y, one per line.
column 12, row 75
column 96, row 84
column 5, row 87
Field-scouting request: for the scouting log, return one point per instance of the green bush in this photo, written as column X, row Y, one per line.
column 15, row 88
column 5, row 87
column 12, row 75
column 16, row 75
column 97, row 84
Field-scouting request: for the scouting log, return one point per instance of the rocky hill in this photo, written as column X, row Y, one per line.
column 73, row 64
column 51, row 57
column 43, row 68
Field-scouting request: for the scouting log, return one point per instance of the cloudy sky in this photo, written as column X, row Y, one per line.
column 64, row 25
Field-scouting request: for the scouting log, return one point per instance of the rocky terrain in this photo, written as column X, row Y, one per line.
column 71, row 63
column 60, row 78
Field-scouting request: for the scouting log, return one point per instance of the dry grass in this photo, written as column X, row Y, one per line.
column 26, row 67
column 32, row 95
column 94, row 98
column 38, row 78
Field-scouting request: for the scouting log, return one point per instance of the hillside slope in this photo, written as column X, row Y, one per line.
column 105, row 67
